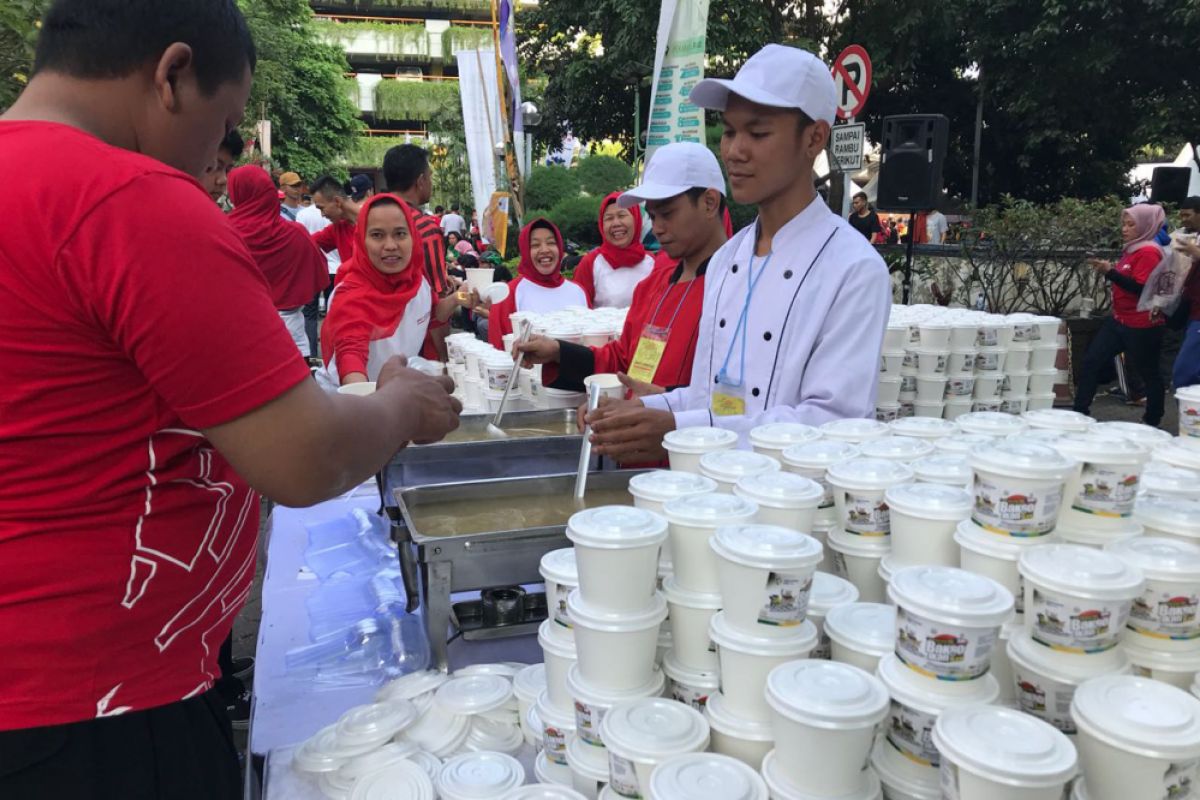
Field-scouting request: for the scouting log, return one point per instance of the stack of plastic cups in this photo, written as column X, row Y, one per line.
column 775, row 437
column 1058, row 419
column 948, row 621
column 991, row 423
column 1015, row 392
column 813, row 460
column 1043, row 362
column 891, row 365
column 993, row 342
column 727, row 467
column 686, row 446
column 1102, row 488
column 929, row 428
column 652, row 490
column 553, row 707
column 860, row 634
column 615, row 614
column 828, row 592
column 863, row 535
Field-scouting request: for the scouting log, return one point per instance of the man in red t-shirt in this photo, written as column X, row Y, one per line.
column 150, row 394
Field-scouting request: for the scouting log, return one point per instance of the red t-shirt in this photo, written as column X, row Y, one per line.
column 133, row 317
column 339, row 236
column 1138, row 265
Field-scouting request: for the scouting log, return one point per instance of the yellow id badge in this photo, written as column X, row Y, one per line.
column 728, row 400
column 649, row 354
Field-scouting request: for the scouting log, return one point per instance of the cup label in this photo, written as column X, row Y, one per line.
column 689, row 695
column 914, row 334
column 1024, row 333
column 1076, row 626
column 824, row 649
column 1164, row 614
column 911, row 732
column 867, row 515
column 554, row 741
column 785, row 600
column 1015, row 511
column 987, row 337
column 1189, row 419
column 908, row 383
column 988, row 362
column 886, row 414
column 960, row 387
column 839, row 565
column 945, row 652
column 1106, row 492
column 497, row 378
column 561, row 590
column 986, row 405
column 948, row 777
column 622, row 777
column 1048, row 700
column 587, row 723
column 1179, row 781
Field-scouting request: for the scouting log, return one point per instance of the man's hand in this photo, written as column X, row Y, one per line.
column 538, row 350
column 1191, row 249
column 1100, row 266
column 639, row 388
column 427, row 400
column 628, row 432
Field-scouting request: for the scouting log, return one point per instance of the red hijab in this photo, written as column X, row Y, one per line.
column 368, row 304
column 631, row 254
column 526, row 269
column 293, row 266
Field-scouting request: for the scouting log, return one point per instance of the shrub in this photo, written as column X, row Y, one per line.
column 600, row 175
column 548, row 186
column 576, row 219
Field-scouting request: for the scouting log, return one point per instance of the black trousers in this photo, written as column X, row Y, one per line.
column 312, row 313
column 1141, row 347
column 181, row 751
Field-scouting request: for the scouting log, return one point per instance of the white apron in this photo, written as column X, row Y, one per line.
column 614, row 286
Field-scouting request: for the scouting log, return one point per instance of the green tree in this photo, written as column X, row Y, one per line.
column 299, row 83
column 548, row 186
column 599, row 175
column 577, row 219
column 448, row 156
column 19, row 21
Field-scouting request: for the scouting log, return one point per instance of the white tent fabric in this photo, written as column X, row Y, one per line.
column 1186, row 158
column 481, row 120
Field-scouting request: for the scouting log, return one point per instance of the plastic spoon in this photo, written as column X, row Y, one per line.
column 494, row 430
column 585, row 451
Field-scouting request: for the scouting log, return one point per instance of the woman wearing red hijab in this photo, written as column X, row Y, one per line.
column 383, row 305
column 611, row 272
column 540, row 286
column 293, row 266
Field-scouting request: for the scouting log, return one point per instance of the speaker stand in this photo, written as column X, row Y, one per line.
column 906, row 285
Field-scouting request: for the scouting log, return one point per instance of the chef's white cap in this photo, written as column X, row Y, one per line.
column 779, row 76
column 674, row 169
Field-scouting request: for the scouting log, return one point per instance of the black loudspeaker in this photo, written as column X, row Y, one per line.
column 910, row 172
column 1170, row 184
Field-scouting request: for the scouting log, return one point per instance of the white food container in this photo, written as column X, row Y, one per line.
column 828, row 592
column 651, row 490
column 924, row 428
column 642, row 734
column 1165, row 615
column 995, row 556
column 1045, row 680
column 591, row 704
column 616, row 556
column 783, row 498
column 1018, row 487
column 616, row 651
column 589, row 768
column 746, row 661
column 782, row 789
column 897, row 448
column 692, row 687
column 945, row 468
column 858, row 493
column 1172, row 517
column 692, row 522
column 855, row 431
column 861, row 633
column 1043, row 357
column 903, row 779
column 989, row 423
column 690, row 613
column 930, row 389
column 727, row 467
column 743, row 739
column 1164, row 480
column 890, row 363
column 558, row 727
column 706, row 776
column 1060, row 419
column 857, row 558
column 775, row 437
column 961, row 362
column 473, row 776
column 923, row 519
column 685, row 446
column 935, row 334
column 559, row 571
column 765, row 576
column 812, row 460
column 1189, row 414
column 932, row 363
column 988, row 386
column 1016, row 360
column 1102, row 487
column 559, row 655
column 1177, row 668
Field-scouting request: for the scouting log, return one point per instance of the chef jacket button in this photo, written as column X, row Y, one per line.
column 735, row 268
column 767, row 336
column 787, row 274
column 721, row 323
column 754, row 392
column 716, row 378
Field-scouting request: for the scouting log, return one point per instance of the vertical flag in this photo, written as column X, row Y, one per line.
column 678, row 66
column 508, row 54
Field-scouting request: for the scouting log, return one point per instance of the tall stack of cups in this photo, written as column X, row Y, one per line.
column 891, row 365
column 994, row 338
column 1101, row 489
column 863, row 535
column 686, row 446
column 960, row 367
column 652, row 490
column 813, row 460
column 553, row 706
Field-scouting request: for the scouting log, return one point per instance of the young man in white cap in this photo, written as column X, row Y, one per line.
column 684, row 193
column 796, row 305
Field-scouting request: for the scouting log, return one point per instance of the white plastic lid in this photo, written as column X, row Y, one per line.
column 1081, row 572
column 1021, row 456
column 653, row 614
column 779, row 435
column 923, row 427
column 699, row 440
column 1005, row 745
column 710, row 510
column 1139, row 715
column 990, row 423
column 828, row 592
column 781, row 787
column 543, row 791
column 661, row 485
column 997, row 545
column 1179, row 455
column 1058, row 419
column 592, row 696
column 1175, row 514
column 1064, row 667
column 854, row 430
column 553, row 643
column 318, row 754
column 1189, row 393
column 780, row 490
column 766, row 547
column 798, row 644
column 865, row 626
column 724, row 722
column 951, row 595
column 653, row 728
column 930, row 501
column 827, row 694
column 871, row 474
column 1042, row 435
column 473, row 694
column 919, row 692
column 1161, row 478
column 1121, row 529
column 896, row 448
column 1161, row 558
column 484, row 776
column 819, row 454
column 677, row 595
column 376, row 722
column 401, row 780
column 414, row 684
column 377, row 759
column 1166, row 660
column 1134, row 431
column 1099, row 448
column 559, row 566
column 706, row 776
column 529, row 682
column 616, row 527
column 947, row 468
column 729, row 466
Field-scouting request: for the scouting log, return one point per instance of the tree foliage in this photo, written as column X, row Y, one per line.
column 576, row 217
column 599, row 175
column 548, row 186
column 18, row 35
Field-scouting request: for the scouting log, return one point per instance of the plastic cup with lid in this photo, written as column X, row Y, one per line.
column 1099, row 538
column 1042, row 381
column 1042, row 357
column 1137, row 737
column 987, row 387
column 902, row 778
column 476, row 776
column 692, row 687
column 527, row 685
column 705, row 776
column 947, row 620
column 783, row 789
column 1018, row 487
column 824, row 715
column 854, row 431
column 743, row 739
column 690, row 613
column 857, row 559
column 957, row 406
column 746, row 661
column 775, row 437
column 1172, row 517
column 1045, row 680
column 591, row 703
column 1178, row 667
column 641, row 734
column 1144, row 435
column 996, row 753
column 1163, row 480
column 557, row 727
column 828, row 592
column 812, row 460
column 991, row 424
column 932, row 363
column 896, row 336
column 397, row 779
column 861, row 633
column 1103, row 486
column 935, row 334
column 995, row 331
column 589, row 767
column 783, row 498
column 995, row 556
column 944, row 467
column 1060, row 419
column 1016, row 360
column 685, row 446
column 1164, row 617
column 616, row 650
column 559, row 654
column 616, row 555
column 858, row 487
column 727, row 467
column 924, row 517
column 692, row 522
column 1178, row 455
column 924, row 428
column 917, row 702
column 930, row 389
column 887, row 391
column 1002, row 668
column 559, row 571
column 652, row 489
column 765, row 576
column 891, row 362
column 1077, row 599
column 961, row 361
column 1188, row 398
column 1038, row 402
column 610, row 386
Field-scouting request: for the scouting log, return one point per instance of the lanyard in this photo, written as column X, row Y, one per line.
column 743, row 323
column 663, row 299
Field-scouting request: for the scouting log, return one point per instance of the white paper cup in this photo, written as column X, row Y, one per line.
column 775, row 437
column 1039, row 402
column 1077, row 599
column 903, row 779
column 610, row 385
column 692, row 687
column 932, row 363
column 559, row 654
column 996, row 753
column 917, row 702
column 990, row 360
column 812, row 460
column 479, row 279
column 888, row 391
column 765, row 578
column 1177, row 668
column 727, row 467
column 824, row 715
column 994, row 331
column 743, row 739
column 358, row 389
column 934, row 409
column 964, row 334
column 988, row 386
column 947, row 620
column 1189, row 414
column 1137, row 737
column 641, row 734
column 528, row 684
column 782, row 789
column 891, row 362
column 616, row 555
column 859, row 486
column 944, row 467
column 589, row 768
column 559, row 571
column 1043, row 357
column 558, row 727
column 828, row 592
column 904, row 449
column 685, row 446
column 592, row 703
column 1045, row 680
column 956, row 407
column 690, row 613
column 896, row 336
column 1018, row 487
column 1042, row 381
column 616, row 651
column 924, row 517
column 1060, row 419
column 995, row 556
column 746, row 661
column 856, row 559
column 861, row 633
column 783, row 498
column 931, row 388
column 692, row 522
column 1165, row 616
column 651, row 490
column 935, row 334
column 1172, row 517
column 855, row 431
column 1102, row 488
column 1017, row 359
column 961, row 361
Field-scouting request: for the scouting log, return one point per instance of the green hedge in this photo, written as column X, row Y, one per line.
column 576, row 219
column 465, row 37
column 397, row 38
column 414, row 100
column 477, row 6
column 600, row 175
column 548, row 186
column 368, row 151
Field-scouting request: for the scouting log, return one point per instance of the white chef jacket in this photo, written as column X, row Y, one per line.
column 406, row 341
column 614, row 285
column 815, row 327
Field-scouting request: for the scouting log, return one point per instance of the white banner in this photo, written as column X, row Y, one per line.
column 481, row 121
column 678, row 66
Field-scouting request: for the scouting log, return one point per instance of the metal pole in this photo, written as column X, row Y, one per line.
column 637, row 122
column 906, row 290
column 978, row 144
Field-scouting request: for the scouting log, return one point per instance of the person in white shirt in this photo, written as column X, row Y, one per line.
column 936, row 227
column 454, row 222
column 795, row 305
